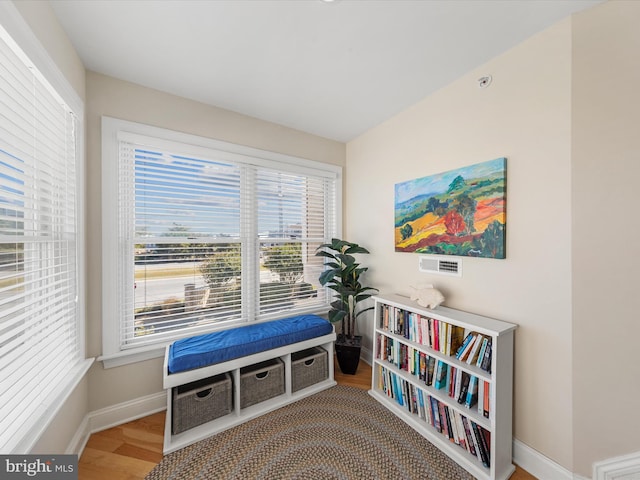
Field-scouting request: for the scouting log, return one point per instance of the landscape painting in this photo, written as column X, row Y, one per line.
column 459, row 212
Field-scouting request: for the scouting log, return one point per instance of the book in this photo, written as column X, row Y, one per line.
column 414, row 398
column 473, row 354
column 430, row 413
column 454, row 426
column 466, row 341
column 436, row 414
column 445, row 337
column 485, row 409
column 456, row 340
column 397, row 390
column 420, row 403
column 465, row 353
column 443, row 419
column 474, row 439
column 462, row 439
column 431, row 362
column 451, row 370
column 424, row 330
column 486, row 434
column 400, row 322
column 472, row 393
column 406, row 397
column 483, row 347
column 486, row 361
column 481, row 445
column 467, row 431
column 450, row 432
column 464, row 387
column 388, row 382
column 458, row 384
column 440, row 376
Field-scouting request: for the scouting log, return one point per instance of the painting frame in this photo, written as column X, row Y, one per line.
column 459, row 212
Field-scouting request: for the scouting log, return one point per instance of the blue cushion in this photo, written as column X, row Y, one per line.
column 216, row 347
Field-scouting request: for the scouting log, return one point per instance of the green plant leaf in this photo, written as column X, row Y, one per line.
column 355, row 248
column 328, row 275
column 346, row 259
column 360, row 271
column 336, row 315
column 337, row 244
column 339, row 305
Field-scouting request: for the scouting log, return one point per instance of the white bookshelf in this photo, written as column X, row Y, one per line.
column 388, row 376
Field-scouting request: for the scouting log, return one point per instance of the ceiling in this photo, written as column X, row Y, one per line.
column 334, row 69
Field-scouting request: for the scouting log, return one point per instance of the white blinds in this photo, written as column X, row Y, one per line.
column 39, row 342
column 214, row 238
column 295, row 216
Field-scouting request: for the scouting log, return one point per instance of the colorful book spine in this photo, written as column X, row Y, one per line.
column 440, row 375
column 472, row 393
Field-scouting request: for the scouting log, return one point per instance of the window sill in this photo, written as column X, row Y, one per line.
column 52, row 407
column 134, row 356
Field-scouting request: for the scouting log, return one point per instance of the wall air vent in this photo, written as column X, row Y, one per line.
column 448, row 266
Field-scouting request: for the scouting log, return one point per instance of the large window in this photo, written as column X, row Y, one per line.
column 200, row 234
column 41, row 319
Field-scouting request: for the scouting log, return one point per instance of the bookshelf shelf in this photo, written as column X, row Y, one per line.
column 423, row 371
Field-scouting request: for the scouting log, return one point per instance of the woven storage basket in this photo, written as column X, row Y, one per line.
column 308, row 367
column 201, row 401
column 261, row 382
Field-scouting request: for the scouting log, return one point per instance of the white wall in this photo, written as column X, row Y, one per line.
column 525, row 115
column 564, row 109
column 606, row 232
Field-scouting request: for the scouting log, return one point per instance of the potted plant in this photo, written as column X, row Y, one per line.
column 343, row 277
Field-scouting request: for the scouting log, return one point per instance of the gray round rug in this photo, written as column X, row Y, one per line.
column 340, row 433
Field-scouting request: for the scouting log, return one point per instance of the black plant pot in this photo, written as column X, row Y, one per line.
column 348, row 353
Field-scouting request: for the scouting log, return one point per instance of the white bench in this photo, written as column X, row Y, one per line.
column 239, row 415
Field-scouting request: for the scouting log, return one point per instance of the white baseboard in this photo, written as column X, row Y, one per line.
column 540, row 466
column 115, row 415
column 366, row 356
column 619, row 468
column 80, row 439
column 127, row 411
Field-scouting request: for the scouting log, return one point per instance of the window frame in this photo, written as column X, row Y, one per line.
column 113, row 131
column 37, row 55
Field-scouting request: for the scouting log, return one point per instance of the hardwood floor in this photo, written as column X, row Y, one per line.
column 130, row 451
